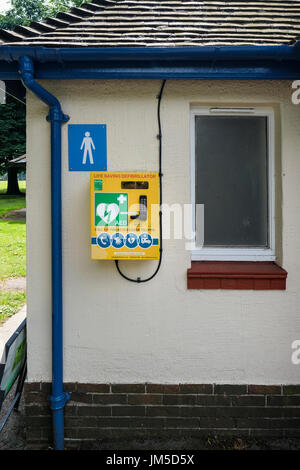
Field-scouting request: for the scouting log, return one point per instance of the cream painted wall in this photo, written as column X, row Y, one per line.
column 116, row 331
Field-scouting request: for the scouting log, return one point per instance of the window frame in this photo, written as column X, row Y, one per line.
column 230, row 253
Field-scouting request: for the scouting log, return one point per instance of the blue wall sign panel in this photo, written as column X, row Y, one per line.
column 87, row 147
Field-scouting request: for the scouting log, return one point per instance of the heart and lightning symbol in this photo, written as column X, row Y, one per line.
column 108, row 212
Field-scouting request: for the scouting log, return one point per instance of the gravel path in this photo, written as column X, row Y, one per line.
column 13, row 283
column 19, row 215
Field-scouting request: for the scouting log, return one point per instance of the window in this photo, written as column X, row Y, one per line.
column 233, row 177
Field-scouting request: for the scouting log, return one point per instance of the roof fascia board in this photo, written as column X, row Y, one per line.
column 60, row 55
column 237, row 62
column 204, row 71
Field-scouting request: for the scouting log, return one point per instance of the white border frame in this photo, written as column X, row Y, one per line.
column 236, row 254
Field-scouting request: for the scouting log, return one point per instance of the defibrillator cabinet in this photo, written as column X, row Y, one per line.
column 125, row 216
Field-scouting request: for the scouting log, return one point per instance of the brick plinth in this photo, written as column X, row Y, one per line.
column 119, row 411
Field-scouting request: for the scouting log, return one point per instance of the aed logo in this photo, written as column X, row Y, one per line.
column 296, row 354
column 111, row 209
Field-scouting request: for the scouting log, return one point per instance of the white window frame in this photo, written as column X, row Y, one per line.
column 236, row 254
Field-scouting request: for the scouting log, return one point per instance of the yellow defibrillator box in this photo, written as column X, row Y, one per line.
column 125, row 216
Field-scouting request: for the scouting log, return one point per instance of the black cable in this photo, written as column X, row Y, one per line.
column 159, row 136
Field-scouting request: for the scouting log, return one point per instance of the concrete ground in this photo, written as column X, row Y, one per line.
column 212, row 443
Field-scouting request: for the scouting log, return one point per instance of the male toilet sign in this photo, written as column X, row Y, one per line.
column 87, row 147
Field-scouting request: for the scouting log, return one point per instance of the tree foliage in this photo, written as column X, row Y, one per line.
column 23, row 12
column 12, row 114
column 13, row 132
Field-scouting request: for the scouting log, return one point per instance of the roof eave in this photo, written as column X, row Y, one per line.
column 217, row 62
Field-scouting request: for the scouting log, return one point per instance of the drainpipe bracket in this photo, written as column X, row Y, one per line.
column 65, row 118
column 56, row 115
column 59, row 402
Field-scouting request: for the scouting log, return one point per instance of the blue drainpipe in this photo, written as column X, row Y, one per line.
column 59, row 398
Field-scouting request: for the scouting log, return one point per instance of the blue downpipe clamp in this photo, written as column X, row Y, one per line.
column 58, row 402
column 57, row 115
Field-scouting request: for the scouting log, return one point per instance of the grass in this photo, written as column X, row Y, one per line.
column 3, row 186
column 11, row 203
column 10, row 303
column 12, row 251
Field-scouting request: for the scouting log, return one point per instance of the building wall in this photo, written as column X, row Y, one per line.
column 157, row 332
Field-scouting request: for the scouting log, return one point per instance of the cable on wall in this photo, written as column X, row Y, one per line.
column 159, row 136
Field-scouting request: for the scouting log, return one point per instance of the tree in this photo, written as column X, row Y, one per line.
column 23, row 12
column 12, row 114
column 12, row 142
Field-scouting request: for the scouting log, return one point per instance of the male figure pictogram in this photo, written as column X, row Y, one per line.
column 87, row 144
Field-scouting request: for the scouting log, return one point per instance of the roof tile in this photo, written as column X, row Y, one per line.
column 164, row 23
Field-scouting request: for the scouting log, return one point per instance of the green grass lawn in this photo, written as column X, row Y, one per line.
column 11, row 203
column 12, row 252
column 12, row 248
column 3, row 186
column 10, row 303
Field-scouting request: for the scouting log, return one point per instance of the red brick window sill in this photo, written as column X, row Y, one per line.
column 257, row 275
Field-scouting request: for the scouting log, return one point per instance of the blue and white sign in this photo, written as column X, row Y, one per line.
column 131, row 240
column 145, row 240
column 118, row 240
column 87, row 147
column 103, row 240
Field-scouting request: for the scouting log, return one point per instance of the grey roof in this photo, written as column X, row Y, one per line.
column 164, row 23
column 19, row 160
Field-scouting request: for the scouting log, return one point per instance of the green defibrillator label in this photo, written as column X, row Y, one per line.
column 98, row 185
column 111, row 209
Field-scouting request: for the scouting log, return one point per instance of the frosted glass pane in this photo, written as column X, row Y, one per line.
column 231, row 179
